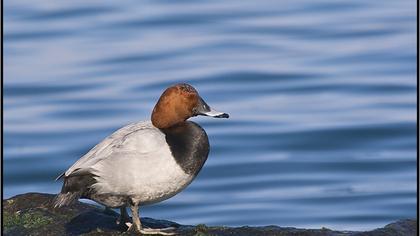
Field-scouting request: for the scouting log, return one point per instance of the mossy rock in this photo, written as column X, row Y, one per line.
column 34, row 214
column 29, row 220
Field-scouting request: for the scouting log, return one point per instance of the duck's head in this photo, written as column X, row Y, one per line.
column 178, row 103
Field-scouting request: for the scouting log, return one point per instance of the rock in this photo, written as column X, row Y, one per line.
column 33, row 214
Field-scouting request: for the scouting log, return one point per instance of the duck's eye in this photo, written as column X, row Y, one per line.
column 206, row 107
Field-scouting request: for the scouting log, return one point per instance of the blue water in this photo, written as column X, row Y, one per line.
column 322, row 98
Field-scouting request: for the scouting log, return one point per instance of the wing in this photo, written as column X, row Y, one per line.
column 105, row 148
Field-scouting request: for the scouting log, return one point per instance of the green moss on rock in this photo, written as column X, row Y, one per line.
column 10, row 220
column 28, row 220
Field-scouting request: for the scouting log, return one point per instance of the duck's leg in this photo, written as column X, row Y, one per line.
column 138, row 227
column 123, row 218
column 124, row 215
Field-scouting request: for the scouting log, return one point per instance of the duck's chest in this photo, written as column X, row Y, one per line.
column 177, row 164
column 189, row 146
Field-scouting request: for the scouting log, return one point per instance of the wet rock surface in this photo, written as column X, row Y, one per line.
column 33, row 214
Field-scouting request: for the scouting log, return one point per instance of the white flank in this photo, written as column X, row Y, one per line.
column 135, row 161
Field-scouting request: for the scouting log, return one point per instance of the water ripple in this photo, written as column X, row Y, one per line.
column 322, row 98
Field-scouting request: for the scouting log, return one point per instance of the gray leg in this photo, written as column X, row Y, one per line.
column 136, row 219
column 124, row 214
column 123, row 218
column 137, row 224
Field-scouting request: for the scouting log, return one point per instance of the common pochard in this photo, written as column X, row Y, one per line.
column 144, row 162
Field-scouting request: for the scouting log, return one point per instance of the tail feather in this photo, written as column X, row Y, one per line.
column 65, row 199
column 74, row 187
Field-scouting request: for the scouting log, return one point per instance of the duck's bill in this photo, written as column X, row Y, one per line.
column 216, row 114
column 205, row 110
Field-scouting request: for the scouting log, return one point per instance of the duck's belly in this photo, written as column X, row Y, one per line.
column 138, row 177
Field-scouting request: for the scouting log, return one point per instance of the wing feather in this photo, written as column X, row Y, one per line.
column 104, row 149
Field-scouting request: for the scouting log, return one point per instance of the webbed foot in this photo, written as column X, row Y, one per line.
column 148, row 231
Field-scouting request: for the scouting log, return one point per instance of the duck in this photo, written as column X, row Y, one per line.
column 144, row 162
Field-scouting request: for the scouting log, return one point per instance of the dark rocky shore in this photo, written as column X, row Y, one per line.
column 32, row 214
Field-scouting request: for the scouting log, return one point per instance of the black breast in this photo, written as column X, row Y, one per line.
column 189, row 145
